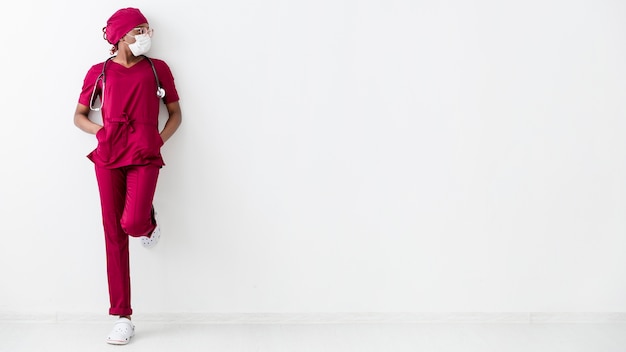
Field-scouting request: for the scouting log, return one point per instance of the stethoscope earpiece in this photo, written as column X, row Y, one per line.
column 161, row 92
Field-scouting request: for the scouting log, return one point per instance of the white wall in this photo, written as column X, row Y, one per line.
column 335, row 156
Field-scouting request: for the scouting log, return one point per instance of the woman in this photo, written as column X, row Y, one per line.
column 130, row 87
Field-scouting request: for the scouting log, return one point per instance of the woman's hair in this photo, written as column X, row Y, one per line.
column 104, row 36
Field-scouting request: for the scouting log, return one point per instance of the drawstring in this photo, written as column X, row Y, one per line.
column 125, row 125
column 125, row 121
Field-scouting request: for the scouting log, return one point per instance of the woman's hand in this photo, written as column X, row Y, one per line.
column 174, row 120
column 82, row 121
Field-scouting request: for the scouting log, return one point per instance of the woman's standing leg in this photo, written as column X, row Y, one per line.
column 112, row 187
column 126, row 196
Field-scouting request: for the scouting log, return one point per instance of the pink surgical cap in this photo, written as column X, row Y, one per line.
column 122, row 22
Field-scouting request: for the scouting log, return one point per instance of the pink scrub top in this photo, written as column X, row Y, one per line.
column 130, row 113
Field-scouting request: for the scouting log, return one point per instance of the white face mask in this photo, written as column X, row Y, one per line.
column 141, row 45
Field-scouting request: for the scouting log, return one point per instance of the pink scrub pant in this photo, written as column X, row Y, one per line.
column 126, row 196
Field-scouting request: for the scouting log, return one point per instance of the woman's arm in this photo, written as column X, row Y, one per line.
column 174, row 120
column 82, row 121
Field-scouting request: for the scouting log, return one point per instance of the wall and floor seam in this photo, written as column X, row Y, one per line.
column 331, row 318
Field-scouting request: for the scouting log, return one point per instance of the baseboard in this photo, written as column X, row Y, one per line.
column 329, row 318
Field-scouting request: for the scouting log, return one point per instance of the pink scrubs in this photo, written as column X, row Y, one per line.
column 127, row 161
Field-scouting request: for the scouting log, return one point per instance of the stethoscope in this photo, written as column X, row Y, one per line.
column 102, row 78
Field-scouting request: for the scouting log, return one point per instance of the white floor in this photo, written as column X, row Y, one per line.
column 151, row 336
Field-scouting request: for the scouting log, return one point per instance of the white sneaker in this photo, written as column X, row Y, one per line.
column 151, row 241
column 122, row 331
